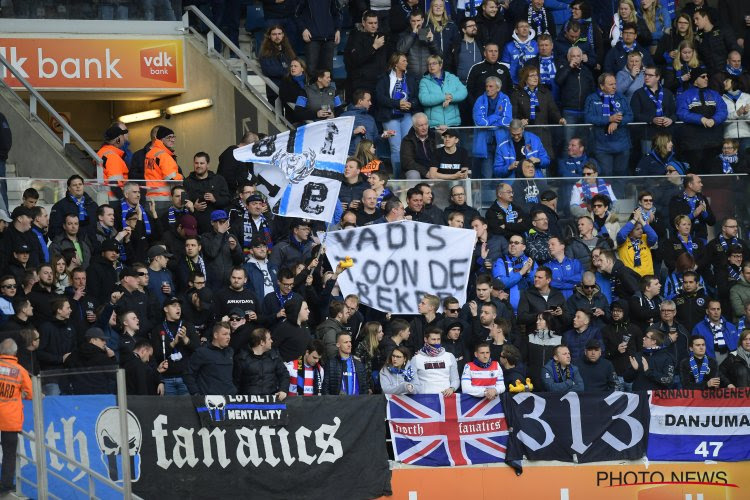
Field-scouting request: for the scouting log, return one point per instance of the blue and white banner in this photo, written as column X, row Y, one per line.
column 694, row 426
column 302, row 170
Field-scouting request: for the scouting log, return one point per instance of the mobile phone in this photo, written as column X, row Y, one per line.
column 422, row 33
column 183, row 197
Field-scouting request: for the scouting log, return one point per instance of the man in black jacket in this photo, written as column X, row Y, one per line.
column 211, row 365
column 345, row 374
column 699, row 372
column 694, row 204
column 175, row 341
column 490, row 66
column 102, row 272
column 97, row 360
column 17, row 234
column 654, row 104
column 542, row 297
column 76, row 202
column 654, row 367
column 598, row 373
column 140, row 378
column 365, row 54
column 713, row 42
column 644, row 305
column 624, row 280
column 261, row 370
column 207, row 190
column 236, row 295
column 57, row 341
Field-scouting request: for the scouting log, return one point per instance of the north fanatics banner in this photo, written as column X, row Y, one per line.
column 432, row 430
column 577, row 427
column 694, row 426
column 302, row 169
column 331, row 447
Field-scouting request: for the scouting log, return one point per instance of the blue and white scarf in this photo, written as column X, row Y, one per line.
column 126, row 208
column 601, row 227
column 515, row 264
column 646, row 214
column 510, row 214
column 81, row 204
column 547, row 70
column 283, row 299
column 734, row 72
column 717, row 331
column 657, row 99
column 601, row 188
column 699, row 372
column 349, row 384
column 407, row 372
column 733, row 272
column 687, row 244
column 172, row 214
column 725, row 245
column 692, row 202
column 741, row 324
column 400, row 91
column 537, row 20
column 726, row 163
column 533, row 102
column 609, row 104
column 636, row 243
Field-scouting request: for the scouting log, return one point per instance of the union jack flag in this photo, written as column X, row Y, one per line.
column 432, row 430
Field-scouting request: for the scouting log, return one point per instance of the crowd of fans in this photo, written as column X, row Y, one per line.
column 192, row 285
column 512, row 65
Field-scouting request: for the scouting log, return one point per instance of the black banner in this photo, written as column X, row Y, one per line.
column 239, row 410
column 575, row 427
column 331, row 447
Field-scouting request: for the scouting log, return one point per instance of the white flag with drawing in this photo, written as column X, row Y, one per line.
column 302, row 170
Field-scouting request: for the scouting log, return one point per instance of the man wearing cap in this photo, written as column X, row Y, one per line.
column 174, row 340
column 251, row 222
column 237, row 295
column 297, row 249
column 703, row 110
column 174, row 238
column 72, row 238
column 198, row 309
column 18, row 263
column 93, row 353
column 548, row 205
column 136, row 300
column 19, row 233
column 111, row 153
column 160, row 166
column 160, row 282
column 598, row 373
column 206, row 190
column 102, row 272
column 4, row 220
column 261, row 273
column 76, row 202
column 221, row 250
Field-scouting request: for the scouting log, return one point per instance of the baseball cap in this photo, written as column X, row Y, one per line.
column 257, row 241
column 189, row 225
column 593, row 344
column 548, row 195
column 254, row 197
column 237, row 311
column 218, row 215
column 301, row 222
column 128, row 271
column 95, row 333
column 113, row 132
column 206, row 296
column 156, row 251
column 21, row 247
column 4, row 215
column 451, row 133
column 110, row 245
column 19, row 211
column 172, row 300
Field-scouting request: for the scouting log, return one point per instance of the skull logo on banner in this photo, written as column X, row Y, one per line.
column 110, row 441
column 217, row 408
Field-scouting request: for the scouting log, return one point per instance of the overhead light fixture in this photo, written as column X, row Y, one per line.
column 139, row 117
column 190, row 106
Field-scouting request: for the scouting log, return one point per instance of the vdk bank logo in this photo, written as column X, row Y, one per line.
column 160, row 63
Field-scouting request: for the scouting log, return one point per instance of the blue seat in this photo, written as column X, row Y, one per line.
column 339, row 71
column 254, row 20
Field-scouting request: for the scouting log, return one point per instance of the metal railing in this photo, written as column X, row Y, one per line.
column 36, row 99
column 247, row 63
column 40, row 449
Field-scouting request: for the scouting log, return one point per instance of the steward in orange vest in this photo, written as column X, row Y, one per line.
column 115, row 168
column 161, row 166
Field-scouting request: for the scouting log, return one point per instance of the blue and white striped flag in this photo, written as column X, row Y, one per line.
column 302, row 169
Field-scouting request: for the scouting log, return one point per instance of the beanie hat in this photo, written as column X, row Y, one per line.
column 163, row 132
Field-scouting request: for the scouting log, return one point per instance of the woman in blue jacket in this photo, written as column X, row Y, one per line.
column 660, row 157
column 439, row 93
column 609, row 113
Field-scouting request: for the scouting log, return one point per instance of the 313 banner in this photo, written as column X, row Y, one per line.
column 573, row 427
column 174, row 456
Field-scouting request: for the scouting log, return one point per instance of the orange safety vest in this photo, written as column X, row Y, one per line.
column 115, row 168
column 160, row 166
column 14, row 382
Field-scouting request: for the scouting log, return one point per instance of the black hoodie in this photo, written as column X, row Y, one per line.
column 617, row 332
column 290, row 338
